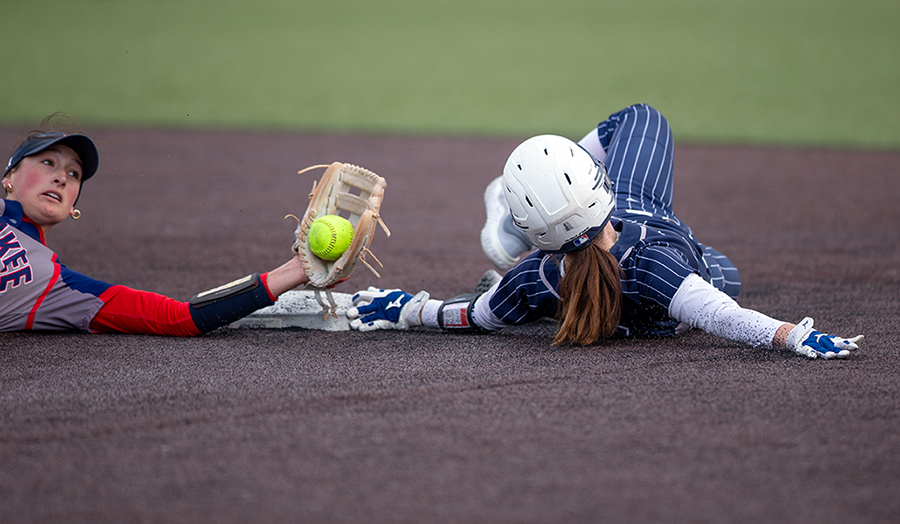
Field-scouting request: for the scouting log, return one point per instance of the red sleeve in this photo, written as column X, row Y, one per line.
column 265, row 280
column 127, row 310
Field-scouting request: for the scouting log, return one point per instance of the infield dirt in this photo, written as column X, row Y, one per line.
column 309, row 426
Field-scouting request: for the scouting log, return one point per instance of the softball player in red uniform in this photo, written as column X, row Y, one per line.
column 612, row 257
column 43, row 180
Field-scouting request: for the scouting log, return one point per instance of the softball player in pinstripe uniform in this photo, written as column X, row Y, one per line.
column 612, row 257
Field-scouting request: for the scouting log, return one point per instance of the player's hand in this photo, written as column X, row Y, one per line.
column 386, row 309
column 803, row 339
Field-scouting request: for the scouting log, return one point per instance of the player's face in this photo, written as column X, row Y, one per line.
column 47, row 184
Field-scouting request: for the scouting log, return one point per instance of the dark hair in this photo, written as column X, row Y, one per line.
column 39, row 140
column 58, row 121
column 590, row 303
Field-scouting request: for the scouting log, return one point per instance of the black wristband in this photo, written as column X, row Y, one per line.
column 223, row 305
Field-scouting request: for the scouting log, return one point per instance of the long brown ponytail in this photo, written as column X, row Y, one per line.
column 590, row 304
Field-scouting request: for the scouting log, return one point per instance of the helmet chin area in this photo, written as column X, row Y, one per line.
column 560, row 195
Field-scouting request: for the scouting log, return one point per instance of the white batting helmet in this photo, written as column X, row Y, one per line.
column 560, row 196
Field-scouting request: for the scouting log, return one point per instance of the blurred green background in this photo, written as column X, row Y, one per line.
column 800, row 72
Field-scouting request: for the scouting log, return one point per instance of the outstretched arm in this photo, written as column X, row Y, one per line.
column 375, row 309
column 702, row 306
column 127, row 310
column 286, row 277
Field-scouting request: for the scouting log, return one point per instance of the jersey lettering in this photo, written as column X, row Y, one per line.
column 16, row 278
column 14, row 263
column 8, row 242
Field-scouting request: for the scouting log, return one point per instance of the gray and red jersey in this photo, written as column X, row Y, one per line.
column 37, row 292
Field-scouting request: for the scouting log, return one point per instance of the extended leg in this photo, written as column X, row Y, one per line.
column 639, row 148
column 502, row 242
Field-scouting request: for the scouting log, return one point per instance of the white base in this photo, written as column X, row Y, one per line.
column 299, row 309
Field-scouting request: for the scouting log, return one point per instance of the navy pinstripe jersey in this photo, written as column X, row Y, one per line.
column 655, row 257
column 655, row 249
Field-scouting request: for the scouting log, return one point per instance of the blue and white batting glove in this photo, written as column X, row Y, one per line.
column 806, row 341
column 386, row 309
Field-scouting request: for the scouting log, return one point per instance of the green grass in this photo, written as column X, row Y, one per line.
column 803, row 72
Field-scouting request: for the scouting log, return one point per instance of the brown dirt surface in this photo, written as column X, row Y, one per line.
column 307, row 426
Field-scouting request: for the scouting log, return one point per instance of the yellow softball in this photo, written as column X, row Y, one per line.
column 330, row 236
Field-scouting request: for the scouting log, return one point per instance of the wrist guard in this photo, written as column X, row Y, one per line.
column 456, row 313
column 233, row 301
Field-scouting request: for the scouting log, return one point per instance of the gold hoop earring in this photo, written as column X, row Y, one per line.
column 76, row 214
column 8, row 188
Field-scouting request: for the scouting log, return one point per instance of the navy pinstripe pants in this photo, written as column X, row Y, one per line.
column 639, row 157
